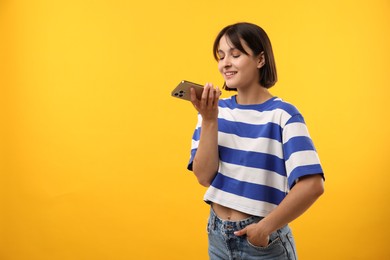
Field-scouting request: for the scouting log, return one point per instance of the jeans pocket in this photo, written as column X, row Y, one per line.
column 274, row 250
column 271, row 244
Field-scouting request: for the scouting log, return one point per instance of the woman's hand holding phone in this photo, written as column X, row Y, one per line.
column 207, row 105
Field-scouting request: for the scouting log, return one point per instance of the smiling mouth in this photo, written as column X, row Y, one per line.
column 230, row 73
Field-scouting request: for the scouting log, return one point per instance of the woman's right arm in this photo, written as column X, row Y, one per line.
column 206, row 161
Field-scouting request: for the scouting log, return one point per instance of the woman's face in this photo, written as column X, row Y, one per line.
column 238, row 69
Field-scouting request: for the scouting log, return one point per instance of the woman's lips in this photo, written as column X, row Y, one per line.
column 230, row 74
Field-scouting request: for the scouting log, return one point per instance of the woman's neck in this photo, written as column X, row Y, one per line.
column 253, row 96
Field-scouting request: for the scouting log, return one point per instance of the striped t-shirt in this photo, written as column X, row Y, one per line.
column 263, row 150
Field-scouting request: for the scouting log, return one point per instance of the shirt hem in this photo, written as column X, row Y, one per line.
column 229, row 204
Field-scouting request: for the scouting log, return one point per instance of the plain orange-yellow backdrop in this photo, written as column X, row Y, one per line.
column 94, row 150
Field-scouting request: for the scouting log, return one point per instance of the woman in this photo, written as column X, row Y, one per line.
column 253, row 152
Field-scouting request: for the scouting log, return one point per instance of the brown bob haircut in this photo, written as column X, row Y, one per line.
column 257, row 40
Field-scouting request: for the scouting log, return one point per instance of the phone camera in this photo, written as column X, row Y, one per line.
column 179, row 94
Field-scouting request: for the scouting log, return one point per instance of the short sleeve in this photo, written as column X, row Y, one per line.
column 195, row 142
column 301, row 158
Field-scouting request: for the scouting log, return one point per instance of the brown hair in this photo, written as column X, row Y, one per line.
column 257, row 40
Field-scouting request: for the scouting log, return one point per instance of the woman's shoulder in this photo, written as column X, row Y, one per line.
column 228, row 102
column 279, row 103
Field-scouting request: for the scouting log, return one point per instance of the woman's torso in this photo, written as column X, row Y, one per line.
column 226, row 213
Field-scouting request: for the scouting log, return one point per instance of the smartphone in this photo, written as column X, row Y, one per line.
column 183, row 90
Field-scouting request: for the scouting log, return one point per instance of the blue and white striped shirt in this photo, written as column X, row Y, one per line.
column 263, row 150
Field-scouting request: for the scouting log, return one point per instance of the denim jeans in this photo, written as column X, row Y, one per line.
column 224, row 245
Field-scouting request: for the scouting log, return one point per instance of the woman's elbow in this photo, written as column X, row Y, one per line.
column 204, row 183
column 318, row 188
column 314, row 185
column 202, row 179
column 204, row 175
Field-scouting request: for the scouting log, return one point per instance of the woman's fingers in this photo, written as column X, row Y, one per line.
column 210, row 100
column 194, row 99
column 216, row 96
column 205, row 95
column 208, row 103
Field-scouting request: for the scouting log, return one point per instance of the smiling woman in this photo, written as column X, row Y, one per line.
column 92, row 161
column 253, row 152
column 250, row 41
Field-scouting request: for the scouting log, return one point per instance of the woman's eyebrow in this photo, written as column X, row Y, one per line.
column 231, row 49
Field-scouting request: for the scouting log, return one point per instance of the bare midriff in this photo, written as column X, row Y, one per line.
column 228, row 214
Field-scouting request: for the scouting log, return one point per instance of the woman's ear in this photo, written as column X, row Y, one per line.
column 261, row 60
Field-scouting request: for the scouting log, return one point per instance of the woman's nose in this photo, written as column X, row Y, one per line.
column 226, row 62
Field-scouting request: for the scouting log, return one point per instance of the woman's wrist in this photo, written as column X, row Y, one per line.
column 264, row 228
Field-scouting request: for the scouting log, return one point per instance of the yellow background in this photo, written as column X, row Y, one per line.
column 94, row 150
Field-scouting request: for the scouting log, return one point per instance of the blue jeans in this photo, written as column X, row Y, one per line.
column 224, row 245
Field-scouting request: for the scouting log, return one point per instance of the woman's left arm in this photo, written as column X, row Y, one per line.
column 304, row 193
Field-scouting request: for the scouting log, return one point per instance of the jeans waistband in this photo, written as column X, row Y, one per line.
column 228, row 225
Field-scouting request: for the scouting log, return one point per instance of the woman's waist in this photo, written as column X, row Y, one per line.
column 229, row 214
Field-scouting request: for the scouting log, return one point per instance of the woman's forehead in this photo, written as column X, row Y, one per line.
column 227, row 43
